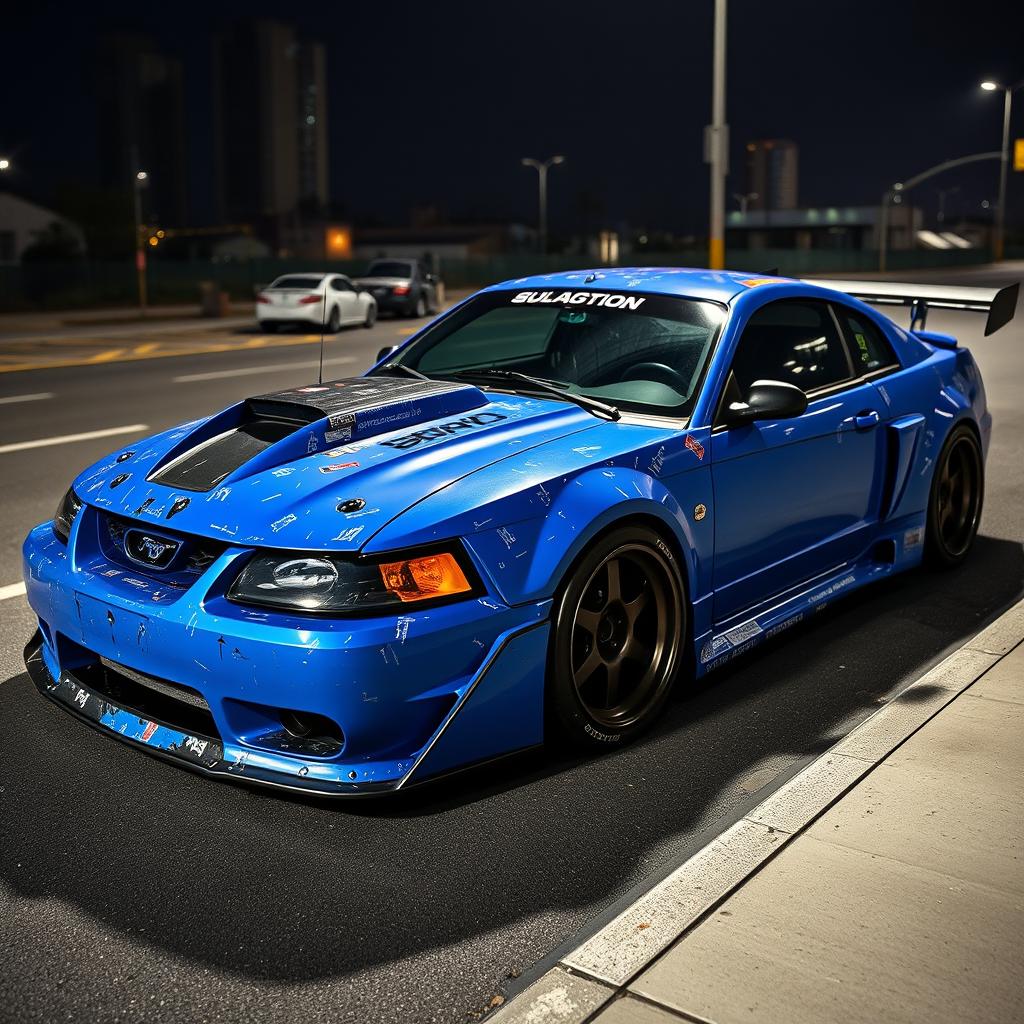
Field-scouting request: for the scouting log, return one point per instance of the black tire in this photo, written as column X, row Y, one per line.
column 597, row 695
column 371, row 315
column 419, row 309
column 268, row 326
column 955, row 501
column 334, row 321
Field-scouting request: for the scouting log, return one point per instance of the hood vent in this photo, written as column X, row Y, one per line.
column 267, row 430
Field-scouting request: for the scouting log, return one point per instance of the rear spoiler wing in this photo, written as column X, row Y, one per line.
column 999, row 303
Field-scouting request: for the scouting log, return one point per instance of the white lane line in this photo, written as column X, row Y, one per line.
column 89, row 435
column 12, row 590
column 26, row 398
column 273, row 368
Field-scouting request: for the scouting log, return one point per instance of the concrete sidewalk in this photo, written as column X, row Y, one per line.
column 900, row 901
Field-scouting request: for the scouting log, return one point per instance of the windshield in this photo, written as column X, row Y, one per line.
column 386, row 269
column 643, row 353
column 307, row 283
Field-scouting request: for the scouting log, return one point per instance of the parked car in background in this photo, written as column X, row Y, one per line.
column 403, row 287
column 328, row 301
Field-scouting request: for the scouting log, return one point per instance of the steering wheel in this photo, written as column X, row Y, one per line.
column 660, row 372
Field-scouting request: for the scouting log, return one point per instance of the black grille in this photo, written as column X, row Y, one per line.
column 175, row 705
column 198, row 553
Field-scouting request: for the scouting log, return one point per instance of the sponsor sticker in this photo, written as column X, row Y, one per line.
column 443, row 430
column 714, row 648
column 693, row 445
column 609, row 300
column 335, row 466
column 147, row 733
column 743, row 632
column 913, row 538
column 196, row 746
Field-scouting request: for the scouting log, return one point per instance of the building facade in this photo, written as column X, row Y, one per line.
column 271, row 128
column 141, row 124
column 772, row 174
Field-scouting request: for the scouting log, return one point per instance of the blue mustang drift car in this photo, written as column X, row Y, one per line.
column 555, row 503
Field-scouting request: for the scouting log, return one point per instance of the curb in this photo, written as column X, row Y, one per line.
column 592, row 974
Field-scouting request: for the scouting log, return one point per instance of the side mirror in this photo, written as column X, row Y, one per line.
column 386, row 351
column 768, row 400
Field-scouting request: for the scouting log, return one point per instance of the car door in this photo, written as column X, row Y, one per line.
column 794, row 498
column 346, row 299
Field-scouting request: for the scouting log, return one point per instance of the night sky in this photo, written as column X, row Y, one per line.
column 436, row 102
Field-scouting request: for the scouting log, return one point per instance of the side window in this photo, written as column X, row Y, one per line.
column 868, row 347
column 795, row 341
column 339, row 284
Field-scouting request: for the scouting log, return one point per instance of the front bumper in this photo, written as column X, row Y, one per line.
column 414, row 696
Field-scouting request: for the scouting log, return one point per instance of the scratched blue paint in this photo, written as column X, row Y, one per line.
column 425, row 690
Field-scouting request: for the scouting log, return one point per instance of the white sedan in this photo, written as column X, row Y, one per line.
column 327, row 301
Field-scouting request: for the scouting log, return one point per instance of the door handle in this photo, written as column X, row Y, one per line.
column 866, row 420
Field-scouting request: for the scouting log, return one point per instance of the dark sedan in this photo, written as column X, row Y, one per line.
column 403, row 287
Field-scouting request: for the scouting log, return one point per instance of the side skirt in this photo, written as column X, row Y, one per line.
column 736, row 636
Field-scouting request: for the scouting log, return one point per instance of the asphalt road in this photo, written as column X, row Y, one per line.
column 132, row 890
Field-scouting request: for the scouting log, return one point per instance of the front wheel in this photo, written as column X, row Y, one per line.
column 620, row 626
column 954, row 505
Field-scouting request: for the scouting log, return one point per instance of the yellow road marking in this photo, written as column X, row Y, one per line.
column 12, row 361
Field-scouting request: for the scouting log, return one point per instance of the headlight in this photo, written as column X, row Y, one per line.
column 69, row 507
column 325, row 583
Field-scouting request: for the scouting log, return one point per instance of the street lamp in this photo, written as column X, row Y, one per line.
column 1008, row 91
column 942, row 193
column 140, row 181
column 542, row 167
column 744, row 198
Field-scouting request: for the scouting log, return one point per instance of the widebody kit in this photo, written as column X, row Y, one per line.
column 557, row 501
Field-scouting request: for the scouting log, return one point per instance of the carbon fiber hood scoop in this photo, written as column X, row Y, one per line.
column 268, row 430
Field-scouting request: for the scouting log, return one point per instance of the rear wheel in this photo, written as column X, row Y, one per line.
column 420, row 309
column 371, row 315
column 619, row 630
column 334, row 321
column 957, row 492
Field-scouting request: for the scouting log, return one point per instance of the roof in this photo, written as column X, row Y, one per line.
column 717, row 285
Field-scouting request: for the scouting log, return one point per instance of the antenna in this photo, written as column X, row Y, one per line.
column 323, row 321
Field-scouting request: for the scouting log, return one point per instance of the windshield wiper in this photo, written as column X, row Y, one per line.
column 407, row 370
column 592, row 405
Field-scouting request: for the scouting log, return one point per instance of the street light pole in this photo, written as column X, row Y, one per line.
column 717, row 144
column 743, row 199
column 998, row 242
column 138, row 184
column 541, row 167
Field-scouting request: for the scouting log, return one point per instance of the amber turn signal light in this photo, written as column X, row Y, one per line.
column 417, row 579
